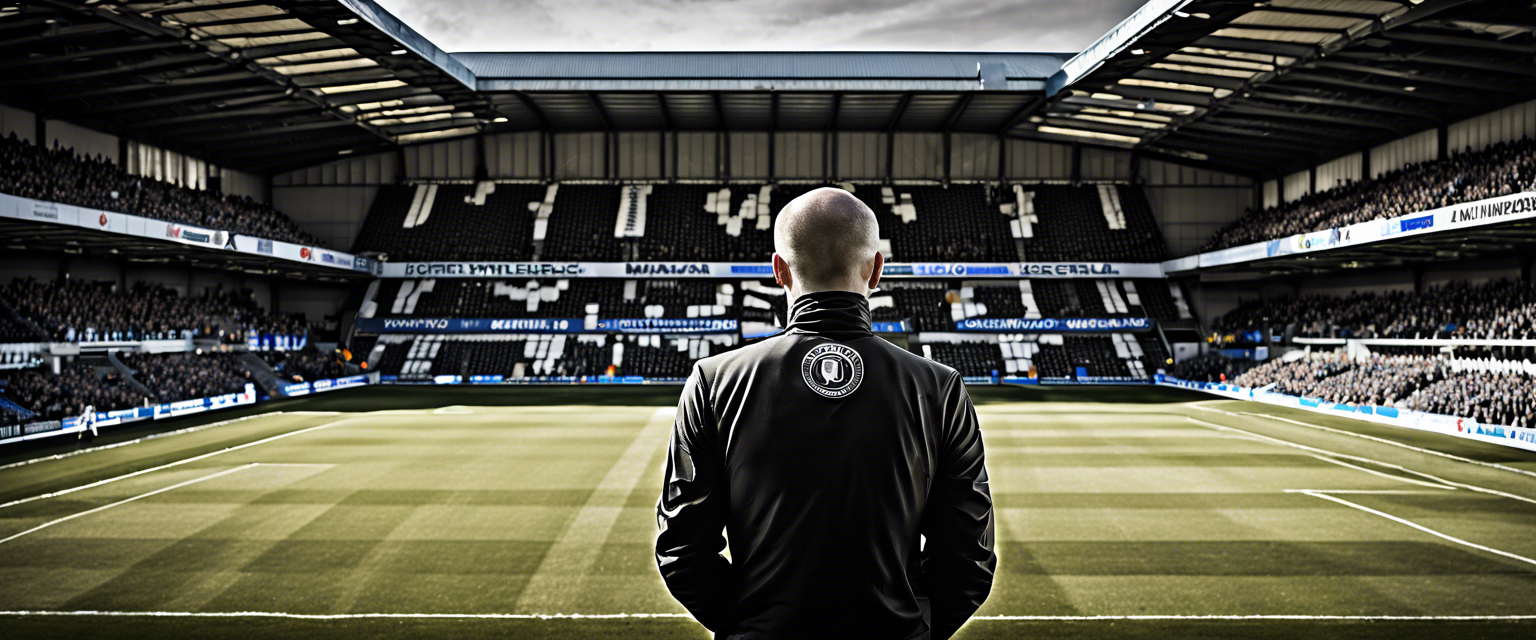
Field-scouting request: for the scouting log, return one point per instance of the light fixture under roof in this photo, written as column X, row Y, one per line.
column 346, row 21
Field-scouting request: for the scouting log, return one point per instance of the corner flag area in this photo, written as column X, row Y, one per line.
column 529, row 513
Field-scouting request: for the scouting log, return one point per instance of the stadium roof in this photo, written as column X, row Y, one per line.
column 1275, row 86
column 265, row 85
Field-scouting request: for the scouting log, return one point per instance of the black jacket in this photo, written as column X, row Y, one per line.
column 825, row 453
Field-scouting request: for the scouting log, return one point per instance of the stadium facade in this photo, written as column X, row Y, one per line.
column 520, row 218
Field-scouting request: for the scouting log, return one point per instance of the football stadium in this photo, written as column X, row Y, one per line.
column 309, row 327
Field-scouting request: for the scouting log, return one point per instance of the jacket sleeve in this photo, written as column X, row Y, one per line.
column 692, row 511
column 958, row 557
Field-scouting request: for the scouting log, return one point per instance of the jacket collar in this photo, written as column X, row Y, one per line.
column 841, row 315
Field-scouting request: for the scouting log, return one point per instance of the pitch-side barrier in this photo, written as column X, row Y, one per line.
column 1469, row 428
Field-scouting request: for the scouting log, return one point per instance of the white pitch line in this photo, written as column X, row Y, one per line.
column 563, row 571
column 174, row 464
column 156, row 436
column 621, row 616
column 1373, row 439
column 178, row 485
column 1421, row 474
column 1389, row 477
column 1420, row 527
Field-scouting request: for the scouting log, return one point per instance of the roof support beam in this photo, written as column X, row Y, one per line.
column 1343, row 104
column 91, row 53
column 714, row 100
column 602, row 113
column 901, row 109
column 152, row 63
column 1254, row 110
column 1302, row 76
column 537, row 112
column 228, row 22
column 1020, row 114
column 1456, row 41
column 1444, row 61
column 666, row 112
column 958, row 110
column 1331, row 13
column 184, row 97
column 220, row 7
column 1417, row 78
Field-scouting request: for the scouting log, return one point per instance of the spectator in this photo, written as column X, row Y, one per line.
column 61, row 175
column 75, row 311
column 1501, row 169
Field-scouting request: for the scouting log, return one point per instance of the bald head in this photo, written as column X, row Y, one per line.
column 826, row 240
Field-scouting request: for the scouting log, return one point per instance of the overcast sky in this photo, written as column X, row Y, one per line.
column 762, row 25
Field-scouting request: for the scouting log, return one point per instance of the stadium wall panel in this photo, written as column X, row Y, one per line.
column 798, row 155
column 1296, row 186
column 169, row 166
column 974, row 156
column 375, row 169
column 86, row 142
column 514, row 155
column 1188, row 216
column 861, row 156
column 1271, row 193
column 1159, row 173
column 1336, row 173
column 1098, row 163
column 28, row 264
column 749, row 155
column 639, row 156
column 240, row 183
column 18, row 121
column 1402, row 152
column 1474, row 271
column 1030, row 160
column 334, row 214
column 447, row 160
column 695, row 155
column 1504, row 125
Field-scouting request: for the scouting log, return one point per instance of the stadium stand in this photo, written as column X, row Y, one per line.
column 174, row 377
column 563, row 298
column 732, row 223
column 581, row 225
column 1503, row 309
column 1490, row 391
column 485, row 221
column 75, row 311
column 45, row 396
column 308, row 363
column 538, row 355
column 1500, row 169
column 1104, row 224
column 61, row 175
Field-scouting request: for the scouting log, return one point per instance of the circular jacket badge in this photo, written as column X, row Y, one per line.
column 832, row 370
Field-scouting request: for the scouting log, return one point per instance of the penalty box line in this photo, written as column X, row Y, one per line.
column 684, row 616
column 141, row 496
column 177, row 463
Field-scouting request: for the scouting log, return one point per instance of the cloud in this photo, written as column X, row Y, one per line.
column 761, row 25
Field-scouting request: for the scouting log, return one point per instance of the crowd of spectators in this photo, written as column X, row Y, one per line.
column 174, row 377
column 1489, row 391
column 1502, row 309
column 66, row 395
column 80, row 311
column 1491, row 397
column 1209, row 367
column 61, row 175
column 307, row 364
column 1501, row 169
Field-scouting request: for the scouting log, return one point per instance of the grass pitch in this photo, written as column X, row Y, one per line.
column 467, row 513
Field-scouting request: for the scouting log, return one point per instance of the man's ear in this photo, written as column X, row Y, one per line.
column 781, row 273
column 874, row 278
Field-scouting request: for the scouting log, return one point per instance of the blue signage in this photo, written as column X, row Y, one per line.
column 1054, row 325
column 668, row 325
